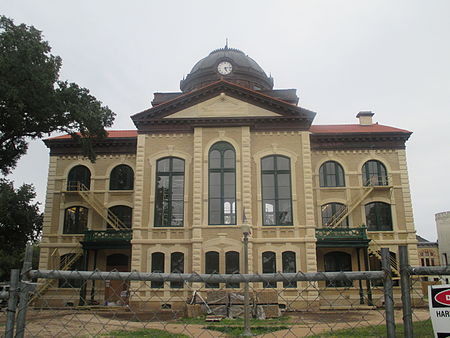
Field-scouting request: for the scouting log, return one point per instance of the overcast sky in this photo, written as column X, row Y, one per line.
column 390, row 57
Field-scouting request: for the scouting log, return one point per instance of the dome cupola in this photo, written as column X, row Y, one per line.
column 229, row 64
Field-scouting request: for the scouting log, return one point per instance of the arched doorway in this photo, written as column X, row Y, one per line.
column 116, row 291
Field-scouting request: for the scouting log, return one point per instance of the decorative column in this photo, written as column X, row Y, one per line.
column 310, row 239
column 45, row 258
column 197, row 201
column 138, row 222
column 246, row 159
column 409, row 217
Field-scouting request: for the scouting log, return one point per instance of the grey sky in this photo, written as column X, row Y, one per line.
column 391, row 57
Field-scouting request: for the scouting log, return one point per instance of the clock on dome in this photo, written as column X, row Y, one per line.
column 224, row 68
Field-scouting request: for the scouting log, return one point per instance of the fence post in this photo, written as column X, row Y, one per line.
column 406, row 293
column 12, row 303
column 247, row 331
column 388, row 292
column 24, row 292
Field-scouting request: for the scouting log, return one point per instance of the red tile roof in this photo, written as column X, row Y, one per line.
column 315, row 129
column 111, row 134
column 354, row 128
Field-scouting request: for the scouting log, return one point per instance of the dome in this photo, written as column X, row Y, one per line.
column 229, row 64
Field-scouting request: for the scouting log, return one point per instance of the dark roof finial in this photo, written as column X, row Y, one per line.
column 226, row 43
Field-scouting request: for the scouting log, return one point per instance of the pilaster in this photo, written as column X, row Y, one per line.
column 197, row 200
column 138, row 222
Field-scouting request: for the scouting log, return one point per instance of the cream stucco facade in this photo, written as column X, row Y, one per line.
column 254, row 126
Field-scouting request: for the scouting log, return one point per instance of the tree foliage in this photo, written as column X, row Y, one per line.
column 20, row 223
column 34, row 102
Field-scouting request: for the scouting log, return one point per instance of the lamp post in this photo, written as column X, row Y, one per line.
column 246, row 232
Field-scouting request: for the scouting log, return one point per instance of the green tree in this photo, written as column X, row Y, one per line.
column 34, row 102
column 20, row 223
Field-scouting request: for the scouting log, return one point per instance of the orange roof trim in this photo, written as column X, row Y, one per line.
column 354, row 128
column 111, row 134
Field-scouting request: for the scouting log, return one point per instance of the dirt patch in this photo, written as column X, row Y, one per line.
column 73, row 323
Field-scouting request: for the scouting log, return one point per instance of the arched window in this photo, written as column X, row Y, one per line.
column 378, row 216
column 222, row 184
column 169, row 196
column 157, row 267
column 332, row 212
column 123, row 213
column 75, row 220
column 331, row 174
column 276, row 190
column 374, row 173
column 121, row 178
column 338, row 261
column 289, row 266
column 176, row 266
column 211, row 266
column 269, row 264
column 79, row 177
column 232, row 266
column 66, row 262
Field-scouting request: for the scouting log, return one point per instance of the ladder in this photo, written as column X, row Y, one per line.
column 89, row 197
column 65, row 265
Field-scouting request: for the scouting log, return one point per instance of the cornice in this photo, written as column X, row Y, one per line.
column 388, row 140
column 106, row 146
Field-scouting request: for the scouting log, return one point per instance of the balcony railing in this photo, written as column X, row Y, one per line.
column 107, row 235
column 341, row 234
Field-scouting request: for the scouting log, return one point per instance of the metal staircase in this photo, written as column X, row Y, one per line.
column 65, row 265
column 110, row 218
column 375, row 250
column 89, row 197
column 338, row 217
column 373, row 183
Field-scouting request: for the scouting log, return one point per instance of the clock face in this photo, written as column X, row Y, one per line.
column 224, row 68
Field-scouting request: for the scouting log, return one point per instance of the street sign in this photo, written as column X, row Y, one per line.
column 439, row 302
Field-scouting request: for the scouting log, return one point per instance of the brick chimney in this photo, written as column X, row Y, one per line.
column 365, row 118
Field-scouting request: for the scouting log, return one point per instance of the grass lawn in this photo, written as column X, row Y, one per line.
column 154, row 333
column 421, row 329
column 236, row 331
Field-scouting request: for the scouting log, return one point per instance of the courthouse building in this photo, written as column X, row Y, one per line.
column 228, row 149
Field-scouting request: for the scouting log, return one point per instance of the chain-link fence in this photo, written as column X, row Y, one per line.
column 94, row 303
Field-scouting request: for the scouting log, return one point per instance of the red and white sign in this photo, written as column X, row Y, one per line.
column 439, row 302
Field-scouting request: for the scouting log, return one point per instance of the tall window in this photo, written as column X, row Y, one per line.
column 158, row 267
column 176, row 266
column 169, row 199
column 232, row 266
column 123, row 213
column 289, row 266
column 75, row 220
column 67, row 262
column 269, row 264
column 78, row 175
column 276, row 190
column 378, row 216
column 374, row 173
column 338, row 261
column 332, row 212
column 222, row 184
column 331, row 174
column 121, row 178
column 211, row 266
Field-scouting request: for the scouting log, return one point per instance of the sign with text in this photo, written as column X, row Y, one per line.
column 439, row 302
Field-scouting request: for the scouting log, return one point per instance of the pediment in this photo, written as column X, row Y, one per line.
column 222, row 106
column 219, row 104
